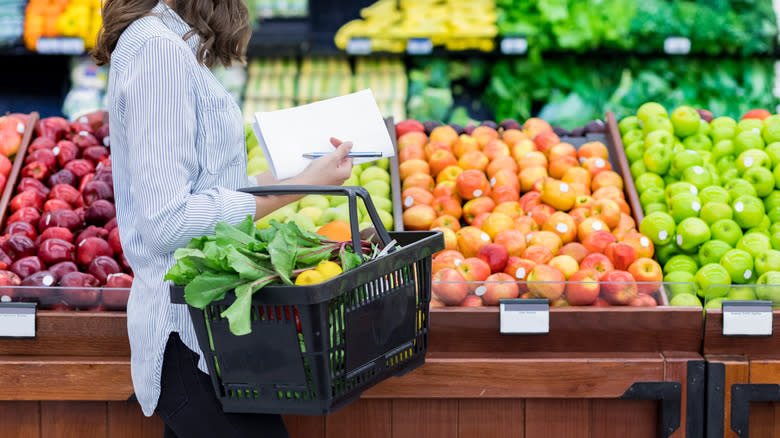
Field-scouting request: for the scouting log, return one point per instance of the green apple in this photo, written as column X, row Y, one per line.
column 771, row 131
column 720, row 133
column 774, row 235
column 712, row 212
column 631, row 137
column 657, row 159
column 754, row 243
column 712, row 251
column 691, row 233
column 760, row 231
column 312, row 213
column 739, row 187
column 768, row 260
column 747, row 140
column 635, row 152
column 382, row 204
column 752, row 125
column 711, row 275
column 724, row 121
column 660, row 137
column 681, row 263
column 335, row 201
column 683, row 282
column 629, row 123
column 765, row 224
column 704, row 128
column 741, row 294
column 772, row 199
column 340, row 213
column 685, row 300
column 748, row 211
column 280, row 215
column 638, row 168
column 768, row 287
column 762, row 179
column 647, row 180
column 353, row 180
column 753, row 158
column 773, row 151
column 384, row 163
column 386, row 218
column 657, row 123
column 659, row 227
column 684, row 205
column 656, row 206
column 699, row 177
column 652, row 195
column 679, row 188
column 257, row 165
column 726, row 230
column 363, row 225
column 698, row 142
column 685, row 120
column 713, row 171
column 665, row 252
column 650, row 109
column 773, row 212
column 318, row 201
column 714, row 303
column 683, row 160
column 678, row 147
column 729, row 174
column 776, row 174
column 378, row 188
column 722, row 149
column 374, row 173
column 706, row 157
column 669, row 179
column 713, row 194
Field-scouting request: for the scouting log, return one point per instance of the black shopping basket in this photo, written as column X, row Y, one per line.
column 315, row 349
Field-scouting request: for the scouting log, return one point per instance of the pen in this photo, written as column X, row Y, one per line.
column 351, row 154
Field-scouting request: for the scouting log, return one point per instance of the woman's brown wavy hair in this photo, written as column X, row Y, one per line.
column 222, row 25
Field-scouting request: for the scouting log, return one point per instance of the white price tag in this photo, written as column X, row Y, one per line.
column 17, row 320
column 419, row 46
column 525, row 316
column 747, row 318
column 60, row 46
column 514, row 46
column 359, row 46
column 677, row 46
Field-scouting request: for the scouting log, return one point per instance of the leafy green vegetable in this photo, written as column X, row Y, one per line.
column 245, row 259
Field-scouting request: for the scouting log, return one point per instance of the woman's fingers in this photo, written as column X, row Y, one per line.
column 335, row 141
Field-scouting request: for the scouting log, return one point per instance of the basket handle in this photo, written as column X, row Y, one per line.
column 352, row 192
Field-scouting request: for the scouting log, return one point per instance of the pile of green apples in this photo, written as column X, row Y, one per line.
column 710, row 192
column 314, row 211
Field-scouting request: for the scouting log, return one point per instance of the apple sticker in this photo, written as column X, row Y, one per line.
column 5, row 299
column 485, row 237
column 600, row 162
column 739, row 207
column 477, row 193
column 561, row 227
column 520, row 273
column 748, row 161
column 458, row 262
column 679, row 239
column 564, row 187
column 528, row 237
column 492, row 181
column 409, row 201
column 747, row 274
column 47, row 280
column 596, row 226
column 694, row 190
column 698, row 170
column 20, row 128
column 662, row 235
column 695, row 206
column 582, row 160
column 644, row 241
column 480, row 291
column 83, row 133
column 756, row 131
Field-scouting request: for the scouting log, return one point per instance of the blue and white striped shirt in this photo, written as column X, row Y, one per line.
column 178, row 154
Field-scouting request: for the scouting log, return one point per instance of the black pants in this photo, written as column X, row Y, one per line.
column 190, row 409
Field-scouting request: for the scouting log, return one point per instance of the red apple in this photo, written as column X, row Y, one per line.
column 474, row 270
column 598, row 241
column 471, row 301
column 449, row 287
column 575, row 250
column 494, row 255
column 498, row 286
column 619, row 288
column 599, row 262
column 649, row 271
column 583, row 287
column 445, row 259
column 621, row 254
column 544, row 281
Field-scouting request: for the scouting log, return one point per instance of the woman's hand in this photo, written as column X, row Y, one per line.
column 330, row 170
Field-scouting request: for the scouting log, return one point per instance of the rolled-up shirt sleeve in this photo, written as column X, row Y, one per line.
column 160, row 117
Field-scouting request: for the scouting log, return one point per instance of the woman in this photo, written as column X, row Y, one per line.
column 178, row 155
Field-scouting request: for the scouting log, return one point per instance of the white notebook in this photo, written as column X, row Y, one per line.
column 287, row 134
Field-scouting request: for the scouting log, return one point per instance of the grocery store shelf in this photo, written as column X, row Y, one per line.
column 281, row 37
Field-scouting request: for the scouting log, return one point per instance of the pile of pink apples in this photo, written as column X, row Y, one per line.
column 61, row 229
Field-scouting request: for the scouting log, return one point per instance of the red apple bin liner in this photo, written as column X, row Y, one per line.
column 53, row 298
column 314, row 349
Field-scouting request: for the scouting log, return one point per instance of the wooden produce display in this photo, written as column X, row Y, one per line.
column 600, row 371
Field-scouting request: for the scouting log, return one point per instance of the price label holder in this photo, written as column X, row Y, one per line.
column 514, row 45
column 525, row 316
column 60, row 46
column 419, row 46
column 359, row 46
column 677, row 46
column 747, row 318
column 17, row 320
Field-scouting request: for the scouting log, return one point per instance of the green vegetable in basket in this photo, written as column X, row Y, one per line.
column 244, row 259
